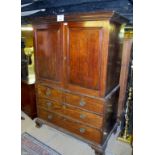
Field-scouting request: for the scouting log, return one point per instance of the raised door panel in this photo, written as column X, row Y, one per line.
column 48, row 53
column 84, row 50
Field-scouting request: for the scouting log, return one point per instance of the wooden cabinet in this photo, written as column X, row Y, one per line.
column 28, row 99
column 78, row 67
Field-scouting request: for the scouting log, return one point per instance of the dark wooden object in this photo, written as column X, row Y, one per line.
column 77, row 73
column 28, row 99
column 126, row 57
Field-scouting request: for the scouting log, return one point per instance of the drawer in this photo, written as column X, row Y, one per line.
column 50, row 93
column 87, row 103
column 74, row 127
column 72, row 112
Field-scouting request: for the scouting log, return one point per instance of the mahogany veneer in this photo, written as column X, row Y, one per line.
column 77, row 70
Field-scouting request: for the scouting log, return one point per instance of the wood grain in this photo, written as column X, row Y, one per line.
column 127, row 48
column 87, row 103
column 48, row 53
column 73, row 112
column 48, row 92
column 78, row 67
column 28, row 99
column 77, row 128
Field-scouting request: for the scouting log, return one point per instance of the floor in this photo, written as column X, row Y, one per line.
column 67, row 145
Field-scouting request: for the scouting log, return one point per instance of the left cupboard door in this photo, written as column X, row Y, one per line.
column 48, row 53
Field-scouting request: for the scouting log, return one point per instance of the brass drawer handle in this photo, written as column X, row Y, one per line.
column 82, row 130
column 82, row 103
column 64, row 119
column 64, row 106
column 48, row 92
column 49, row 104
column 49, row 117
column 82, row 116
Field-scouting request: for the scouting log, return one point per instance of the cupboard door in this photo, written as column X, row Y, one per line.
column 48, row 53
column 84, row 50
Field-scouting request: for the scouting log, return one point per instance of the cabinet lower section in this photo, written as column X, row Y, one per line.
column 90, row 118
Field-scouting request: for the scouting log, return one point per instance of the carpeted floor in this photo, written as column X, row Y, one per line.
column 67, row 145
column 32, row 146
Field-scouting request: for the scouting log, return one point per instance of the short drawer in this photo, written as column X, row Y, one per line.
column 72, row 112
column 74, row 127
column 87, row 103
column 48, row 104
column 50, row 93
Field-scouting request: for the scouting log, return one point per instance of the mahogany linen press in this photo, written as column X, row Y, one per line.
column 77, row 64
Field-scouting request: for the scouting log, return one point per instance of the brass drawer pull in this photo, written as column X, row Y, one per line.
column 82, row 130
column 82, row 116
column 49, row 117
column 64, row 106
column 82, row 103
column 48, row 92
column 49, row 104
column 64, row 119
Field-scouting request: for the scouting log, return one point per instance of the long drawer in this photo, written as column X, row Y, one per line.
column 49, row 93
column 87, row 103
column 72, row 126
column 70, row 111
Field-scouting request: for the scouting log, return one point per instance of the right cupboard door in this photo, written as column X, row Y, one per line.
column 84, row 57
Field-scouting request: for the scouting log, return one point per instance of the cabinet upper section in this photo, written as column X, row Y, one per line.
column 81, row 56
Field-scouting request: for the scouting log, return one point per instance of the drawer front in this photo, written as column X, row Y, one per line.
column 50, row 93
column 90, row 104
column 74, row 127
column 85, row 117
